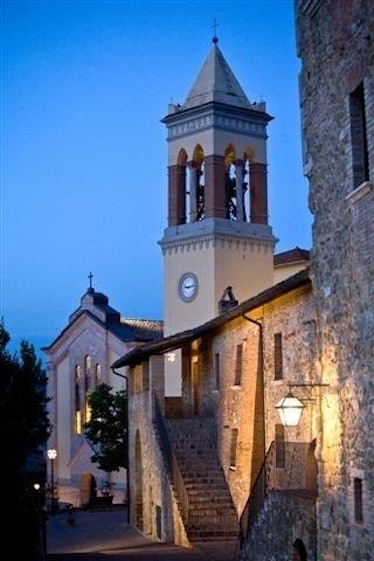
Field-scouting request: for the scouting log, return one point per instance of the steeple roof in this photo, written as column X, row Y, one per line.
column 216, row 82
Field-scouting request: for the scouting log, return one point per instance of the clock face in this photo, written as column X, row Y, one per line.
column 188, row 286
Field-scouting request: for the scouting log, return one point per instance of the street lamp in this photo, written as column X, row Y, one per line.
column 52, row 454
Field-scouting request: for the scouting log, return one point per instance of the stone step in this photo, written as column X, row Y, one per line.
column 211, row 511
column 200, row 467
column 210, row 468
column 213, row 497
column 213, row 524
column 198, row 510
column 199, row 535
column 194, row 447
column 203, row 477
column 202, row 460
column 212, row 492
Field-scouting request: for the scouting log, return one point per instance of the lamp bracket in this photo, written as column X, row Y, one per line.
column 307, row 385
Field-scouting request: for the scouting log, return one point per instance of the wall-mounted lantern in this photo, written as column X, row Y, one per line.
column 290, row 408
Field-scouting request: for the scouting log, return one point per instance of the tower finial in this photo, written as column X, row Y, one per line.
column 90, row 276
column 215, row 25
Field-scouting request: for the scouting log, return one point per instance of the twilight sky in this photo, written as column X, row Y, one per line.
column 85, row 84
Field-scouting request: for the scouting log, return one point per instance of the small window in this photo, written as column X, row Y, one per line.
column 146, row 377
column 233, row 447
column 278, row 357
column 217, row 371
column 238, row 365
column 357, row 491
column 280, row 447
column 360, row 154
column 158, row 521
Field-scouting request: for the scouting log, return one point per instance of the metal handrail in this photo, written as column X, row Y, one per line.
column 293, row 474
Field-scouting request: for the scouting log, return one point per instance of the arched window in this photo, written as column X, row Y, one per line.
column 77, row 400
column 237, row 184
column 195, row 186
column 98, row 380
column 87, row 372
column 230, row 184
column 199, row 202
column 246, row 178
column 87, row 386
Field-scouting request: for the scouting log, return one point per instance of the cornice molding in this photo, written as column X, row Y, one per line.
column 197, row 123
column 215, row 241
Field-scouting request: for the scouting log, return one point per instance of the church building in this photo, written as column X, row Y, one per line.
column 78, row 360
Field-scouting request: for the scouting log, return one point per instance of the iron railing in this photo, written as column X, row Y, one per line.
column 288, row 467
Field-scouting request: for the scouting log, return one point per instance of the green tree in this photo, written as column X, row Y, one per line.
column 107, row 428
column 25, row 426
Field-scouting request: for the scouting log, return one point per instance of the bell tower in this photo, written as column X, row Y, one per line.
column 218, row 234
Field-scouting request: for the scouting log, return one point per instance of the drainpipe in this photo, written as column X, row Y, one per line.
column 127, row 440
column 260, row 326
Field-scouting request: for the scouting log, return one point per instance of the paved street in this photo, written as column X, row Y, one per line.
column 106, row 536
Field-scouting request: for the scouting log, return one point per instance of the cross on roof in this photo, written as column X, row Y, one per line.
column 90, row 276
column 214, row 26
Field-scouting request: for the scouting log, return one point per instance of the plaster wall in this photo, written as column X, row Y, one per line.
column 84, row 337
column 247, row 266
column 215, row 141
column 283, row 272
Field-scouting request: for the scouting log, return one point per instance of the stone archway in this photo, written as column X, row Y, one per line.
column 87, row 487
column 139, row 522
column 299, row 551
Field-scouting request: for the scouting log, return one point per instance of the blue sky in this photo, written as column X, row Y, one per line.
column 85, row 85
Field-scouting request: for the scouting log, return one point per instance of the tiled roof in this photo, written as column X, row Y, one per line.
column 295, row 255
column 216, row 82
column 144, row 329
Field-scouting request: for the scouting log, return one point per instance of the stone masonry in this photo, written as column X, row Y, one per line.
column 336, row 48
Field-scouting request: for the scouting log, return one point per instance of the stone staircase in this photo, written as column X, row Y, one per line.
column 211, row 512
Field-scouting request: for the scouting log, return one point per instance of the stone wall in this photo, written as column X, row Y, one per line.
column 154, row 509
column 284, row 520
column 248, row 406
column 336, row 47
